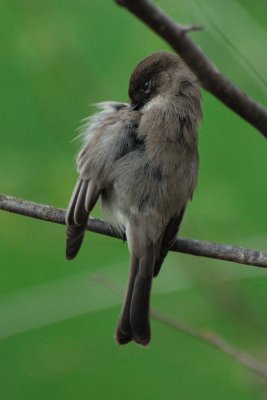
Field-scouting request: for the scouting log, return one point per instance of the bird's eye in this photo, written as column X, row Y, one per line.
column 147, row 87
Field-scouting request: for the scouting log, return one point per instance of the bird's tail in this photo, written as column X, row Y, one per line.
column 134, row 323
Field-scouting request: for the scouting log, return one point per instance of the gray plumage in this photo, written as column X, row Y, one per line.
column 141, row 159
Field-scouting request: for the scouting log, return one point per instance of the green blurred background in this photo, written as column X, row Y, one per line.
column 56, row 320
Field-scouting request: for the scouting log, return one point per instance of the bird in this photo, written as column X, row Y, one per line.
column 140, row 159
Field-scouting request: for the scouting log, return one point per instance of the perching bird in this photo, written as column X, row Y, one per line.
column 141, row 160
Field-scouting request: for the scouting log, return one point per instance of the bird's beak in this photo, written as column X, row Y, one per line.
column 134, row 106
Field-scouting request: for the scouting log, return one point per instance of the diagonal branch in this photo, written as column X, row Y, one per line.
column 206, row 336
column 210, row 78
column 209, row 337
column 189, row 246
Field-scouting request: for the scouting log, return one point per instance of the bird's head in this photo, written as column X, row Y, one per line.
column 163, row 74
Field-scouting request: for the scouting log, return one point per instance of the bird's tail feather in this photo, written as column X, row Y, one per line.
column 134, row 323
column 124, row 330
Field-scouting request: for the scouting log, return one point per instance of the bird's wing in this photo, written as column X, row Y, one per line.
column 83, row 199
column 168, row 239
column 110, row 135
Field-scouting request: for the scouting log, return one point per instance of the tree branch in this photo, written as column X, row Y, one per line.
column 195, row 247
column 210, row 78
column 209, row 337
column 206, row 336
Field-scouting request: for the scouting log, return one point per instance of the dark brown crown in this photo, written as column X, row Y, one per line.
column 151, row 66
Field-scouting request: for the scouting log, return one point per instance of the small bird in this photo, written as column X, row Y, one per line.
column 141, row 160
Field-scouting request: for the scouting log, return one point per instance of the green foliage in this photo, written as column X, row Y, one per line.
column 56, row 322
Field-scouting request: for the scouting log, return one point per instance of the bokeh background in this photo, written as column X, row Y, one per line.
column 56, row 319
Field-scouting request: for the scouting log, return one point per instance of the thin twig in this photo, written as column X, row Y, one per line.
column 206, row 336
column 211, row 338
column 210, row 78
column 183, row 245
